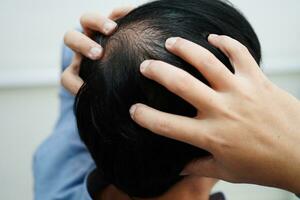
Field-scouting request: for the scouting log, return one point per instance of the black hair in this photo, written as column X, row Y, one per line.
column 138, row 162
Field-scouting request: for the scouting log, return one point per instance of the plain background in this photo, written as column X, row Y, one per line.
column 31, row 39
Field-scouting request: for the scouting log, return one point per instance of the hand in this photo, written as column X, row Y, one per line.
column 80, row 43
column 193, row 187
column 250, row 126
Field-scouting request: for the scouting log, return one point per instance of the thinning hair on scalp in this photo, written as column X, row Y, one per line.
column 135, row 160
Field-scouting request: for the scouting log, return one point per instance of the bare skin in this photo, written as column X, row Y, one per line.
column 260, row 143
column 250, row 126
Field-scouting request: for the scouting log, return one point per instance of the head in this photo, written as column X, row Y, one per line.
column 138, row 162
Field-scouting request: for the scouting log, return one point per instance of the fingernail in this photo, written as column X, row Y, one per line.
column 95, row 52
column 144, row 65
column 212, row 36
column 132, row 111
column 171, row 41
column 109, row 26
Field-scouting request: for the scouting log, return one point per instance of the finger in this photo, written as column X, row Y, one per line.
column 70, row 79
column 188, row 130
column 180, row 83
column 71, row 82
column 205, row 167
column 82, row 44
column 95, row 22
column 212, row 69
column 238, row 54
column 120, row 12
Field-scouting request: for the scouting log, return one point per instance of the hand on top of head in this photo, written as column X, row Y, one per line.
column 82, row 44
column 244, row 120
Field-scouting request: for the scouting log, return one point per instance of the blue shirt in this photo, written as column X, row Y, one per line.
column 62, row 164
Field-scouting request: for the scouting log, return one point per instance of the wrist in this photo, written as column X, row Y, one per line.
column 288, row 146
column 289, row 177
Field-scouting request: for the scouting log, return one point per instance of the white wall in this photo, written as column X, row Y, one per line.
column 30, row 39
column 32, row 30
column 26, row 118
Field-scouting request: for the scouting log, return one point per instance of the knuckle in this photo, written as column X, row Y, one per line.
column 152, row 68
column 115, row 12
column 235, row 46
column 226, row 112
column 209, row 139
column 84, row 18
column 155, row 63
column 223, row 39
column 138, row 113
column 179, row 44
column 228, row 42
column 73, row 40
column 118, row 10
column 246, row 91
column 118, row 13
column 141, row 116
column 221, row 145
column 241, row 48
column 182, row 83
column 210, row 60
column 248, row 96
column 64, row 75
column 63, row 79
column 238, row 48
column 67, row 36
column 163, row 126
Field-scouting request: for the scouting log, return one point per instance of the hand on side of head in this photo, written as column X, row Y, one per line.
column 81, row 44
column 248, row 124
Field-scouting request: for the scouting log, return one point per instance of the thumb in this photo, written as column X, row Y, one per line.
column 205, row 167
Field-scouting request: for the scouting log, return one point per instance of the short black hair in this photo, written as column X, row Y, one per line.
column 138, row 162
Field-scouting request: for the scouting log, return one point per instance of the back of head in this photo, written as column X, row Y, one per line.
column 141, row 163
